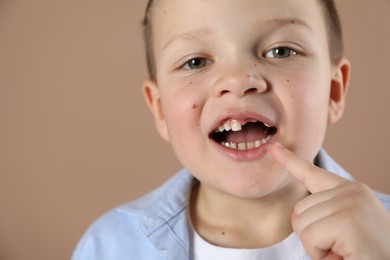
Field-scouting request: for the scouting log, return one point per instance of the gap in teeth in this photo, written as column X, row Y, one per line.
column 248, row 145
column 234, row 125
column 230, row 125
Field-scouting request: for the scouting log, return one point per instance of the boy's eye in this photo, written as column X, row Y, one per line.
column 280, row 53
column 196, row 63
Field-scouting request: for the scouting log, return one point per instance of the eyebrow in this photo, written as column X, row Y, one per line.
column 204, row 31
column 189, row 36
column 281, row 22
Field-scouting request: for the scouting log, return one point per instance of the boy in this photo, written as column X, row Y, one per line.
column 244, row 92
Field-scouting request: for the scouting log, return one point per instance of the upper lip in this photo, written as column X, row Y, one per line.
column 244, row 117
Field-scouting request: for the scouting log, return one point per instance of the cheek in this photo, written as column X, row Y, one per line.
column 182, row 94
column 309, row 92
column 312, row 108
column 306, row 107
column 181, row 108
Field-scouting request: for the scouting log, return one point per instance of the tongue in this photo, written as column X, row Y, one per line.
column 250, row 132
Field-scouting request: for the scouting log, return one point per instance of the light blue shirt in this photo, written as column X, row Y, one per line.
column 156, row 226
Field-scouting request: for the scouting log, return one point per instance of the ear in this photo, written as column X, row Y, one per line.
column 338, row 90
column 152, row 97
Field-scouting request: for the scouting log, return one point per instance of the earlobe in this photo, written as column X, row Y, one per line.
column 152, row 98
column 338, row 90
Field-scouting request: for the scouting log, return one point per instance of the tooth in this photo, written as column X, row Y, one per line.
column 267, row 125
column 221, row 128
column 264, row 141
column 233, row 145
column 269, row 137
column 257, row 143
column 236, row 126
column 250, row 145
column 242, row 146
column 227, row 126
column 226, row 144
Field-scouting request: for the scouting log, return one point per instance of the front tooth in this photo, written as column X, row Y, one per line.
column 227, row 126
column 242, row 146
column 236, row 126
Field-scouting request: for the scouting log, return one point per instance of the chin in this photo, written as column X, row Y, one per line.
column 257, row 186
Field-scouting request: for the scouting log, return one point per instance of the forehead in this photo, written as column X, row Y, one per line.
column 240, row 6
column 177, row 17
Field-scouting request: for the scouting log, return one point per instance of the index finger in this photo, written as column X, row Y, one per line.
column 314, row 178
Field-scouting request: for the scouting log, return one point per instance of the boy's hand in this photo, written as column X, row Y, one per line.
column 341, row 219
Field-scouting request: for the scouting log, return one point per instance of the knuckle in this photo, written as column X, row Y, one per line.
column 359, row 189
column 299, row 206
column 306, row 236
column 307, row 233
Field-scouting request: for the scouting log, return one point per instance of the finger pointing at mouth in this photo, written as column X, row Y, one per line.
column 315, row 179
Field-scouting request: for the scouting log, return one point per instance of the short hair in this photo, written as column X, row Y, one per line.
column 148, row 38
column 332, row 22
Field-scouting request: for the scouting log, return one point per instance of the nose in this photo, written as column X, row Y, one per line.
column 240, row 82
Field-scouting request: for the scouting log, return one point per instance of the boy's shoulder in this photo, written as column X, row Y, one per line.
column 129, row 227
column 171, row 191
column 155, row 207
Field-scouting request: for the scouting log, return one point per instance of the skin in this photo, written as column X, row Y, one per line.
column 240, row 77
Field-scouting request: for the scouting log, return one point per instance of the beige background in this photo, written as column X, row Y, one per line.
column 76, row 138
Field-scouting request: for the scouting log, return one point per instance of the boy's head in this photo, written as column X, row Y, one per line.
column 231, row 77
column 330, row 15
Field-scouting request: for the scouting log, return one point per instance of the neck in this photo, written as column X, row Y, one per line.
column 229, row 221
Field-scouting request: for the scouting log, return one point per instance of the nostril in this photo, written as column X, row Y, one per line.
column 246, row 91
column 250, row 90
column 223, row 92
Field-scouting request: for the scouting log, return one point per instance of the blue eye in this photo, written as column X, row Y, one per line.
column 196, row 63
column 280, row 53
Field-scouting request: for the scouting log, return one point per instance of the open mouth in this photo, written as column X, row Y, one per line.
column 243, row 135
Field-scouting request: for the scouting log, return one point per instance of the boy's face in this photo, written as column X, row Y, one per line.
column 243, row 63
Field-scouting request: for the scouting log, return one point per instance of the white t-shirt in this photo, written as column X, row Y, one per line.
column 291, row 248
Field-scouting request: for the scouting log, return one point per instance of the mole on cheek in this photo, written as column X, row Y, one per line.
column 194, row 106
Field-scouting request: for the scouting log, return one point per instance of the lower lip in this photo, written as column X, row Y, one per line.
column 245, row 155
